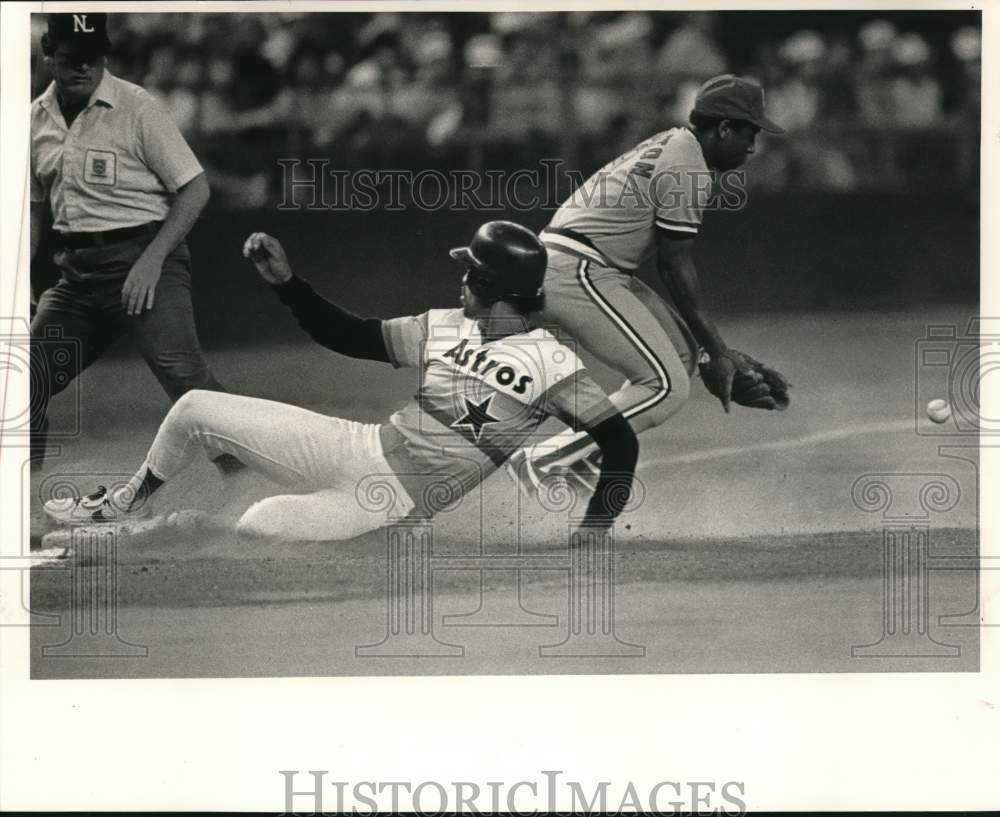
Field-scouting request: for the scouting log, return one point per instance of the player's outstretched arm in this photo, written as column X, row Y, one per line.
column 675, row 263
column 619, row 453
column 327, row 323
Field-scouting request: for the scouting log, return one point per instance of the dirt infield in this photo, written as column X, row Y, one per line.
column 789, row 604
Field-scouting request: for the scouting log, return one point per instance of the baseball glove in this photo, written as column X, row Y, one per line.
column 759, row 387
column 746, row 392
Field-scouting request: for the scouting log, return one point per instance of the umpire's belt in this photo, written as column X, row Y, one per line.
column 83, row 241
column 566, row 240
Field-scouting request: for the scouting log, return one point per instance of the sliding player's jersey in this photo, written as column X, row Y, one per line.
column 480, row 400
column 661, row 184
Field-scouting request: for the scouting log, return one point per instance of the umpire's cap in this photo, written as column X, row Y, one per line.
column 731, row 97
column 85, row 33
column 508, row 261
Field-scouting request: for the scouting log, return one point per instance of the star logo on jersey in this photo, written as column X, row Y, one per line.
column 476, row 416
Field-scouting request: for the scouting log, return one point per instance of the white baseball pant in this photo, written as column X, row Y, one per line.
column 323, row 459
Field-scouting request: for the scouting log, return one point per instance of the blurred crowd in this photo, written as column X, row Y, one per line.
column 874, row 105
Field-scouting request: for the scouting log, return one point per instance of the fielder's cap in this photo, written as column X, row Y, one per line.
column 731, row 97
column 509, row 259
column 84, row 32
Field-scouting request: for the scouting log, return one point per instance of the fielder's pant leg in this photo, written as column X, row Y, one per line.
column 68, row 333
column 604, row 311
column 680, row 336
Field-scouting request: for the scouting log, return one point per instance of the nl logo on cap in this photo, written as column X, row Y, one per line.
column 80, row 24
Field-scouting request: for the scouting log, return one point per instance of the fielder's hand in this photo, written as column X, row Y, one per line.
column 757, row 386
column 769, row 390
column 719, row 371
column 268, row 257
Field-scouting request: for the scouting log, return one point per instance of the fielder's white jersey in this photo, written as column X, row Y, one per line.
column 479, row 400
column 663, row 183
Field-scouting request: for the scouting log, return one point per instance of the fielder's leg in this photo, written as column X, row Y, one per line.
column 626, row 326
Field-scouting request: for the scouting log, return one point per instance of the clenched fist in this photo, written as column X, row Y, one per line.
column 268, row 257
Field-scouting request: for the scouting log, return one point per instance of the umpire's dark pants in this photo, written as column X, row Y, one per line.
column 83, row 314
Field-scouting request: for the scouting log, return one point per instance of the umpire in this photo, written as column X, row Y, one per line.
column 125, row 190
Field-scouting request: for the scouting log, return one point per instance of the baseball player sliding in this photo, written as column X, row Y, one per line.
column 486, row 382
column 650, row 199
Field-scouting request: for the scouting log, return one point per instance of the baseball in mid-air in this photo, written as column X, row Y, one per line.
column 938, row 410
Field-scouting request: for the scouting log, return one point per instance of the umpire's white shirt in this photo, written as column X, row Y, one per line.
column 118, row 164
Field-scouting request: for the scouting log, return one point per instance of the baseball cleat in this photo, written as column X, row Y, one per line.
column 582, row 474
column 53, row 554
column 127, row 531
column 56, row 541
column 98, row 507
column 524, row 472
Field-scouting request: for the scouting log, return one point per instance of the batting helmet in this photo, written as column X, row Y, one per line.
column 505, row 260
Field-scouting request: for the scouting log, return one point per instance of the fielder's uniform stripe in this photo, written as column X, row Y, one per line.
column 650, row 357
column 677, row 226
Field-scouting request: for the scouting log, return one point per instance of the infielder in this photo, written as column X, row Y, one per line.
column 651, row 199
column 125, row 190
column 486, row 382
